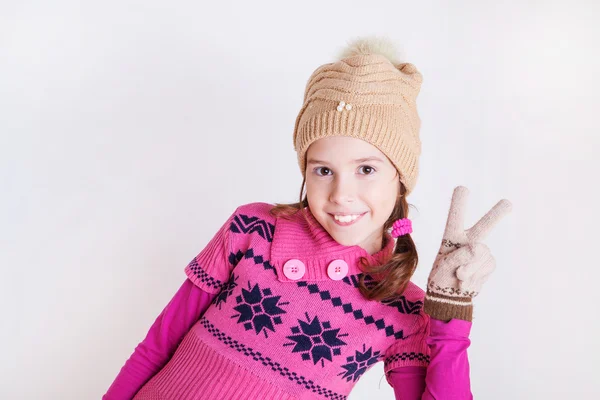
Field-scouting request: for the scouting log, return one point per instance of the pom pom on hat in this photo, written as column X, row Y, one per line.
column 372, row 45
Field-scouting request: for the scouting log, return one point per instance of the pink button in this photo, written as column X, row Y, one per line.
column 337, row 269
column 294, row 269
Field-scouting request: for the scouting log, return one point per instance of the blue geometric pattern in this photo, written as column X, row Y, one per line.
column 348, row 308
column 235, row 258
column 267, row 361
column 353, row 280
column 203, row 276
column 408, row 356
column 247, row 224
column 316, row 341
column 258, row 260
column 240, row 224
column 227, row 290
column 259, row 309
column 403, row 305
column 359, row 363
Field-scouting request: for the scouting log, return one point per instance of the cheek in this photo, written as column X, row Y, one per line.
column 317, row 188
column 381, row 193
column 382, row 200
column 316, row 196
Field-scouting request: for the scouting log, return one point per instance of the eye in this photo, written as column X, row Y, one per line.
column 320, row 168
column 369, row 168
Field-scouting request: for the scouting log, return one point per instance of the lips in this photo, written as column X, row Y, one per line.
column 346, row 213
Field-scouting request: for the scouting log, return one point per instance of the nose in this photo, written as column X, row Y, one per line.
column 343, row 191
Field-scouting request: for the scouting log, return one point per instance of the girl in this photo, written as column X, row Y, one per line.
column 298, row 301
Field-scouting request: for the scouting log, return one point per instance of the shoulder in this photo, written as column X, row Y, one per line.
column 408, row 308
column 253, row 214
column 259, row 209
column 413, row 292
column 253, row 221
column 416, row 297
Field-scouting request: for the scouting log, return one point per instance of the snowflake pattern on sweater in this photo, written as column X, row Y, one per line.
column 314, row 336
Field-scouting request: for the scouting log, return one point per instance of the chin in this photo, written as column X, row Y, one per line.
column 345, row 241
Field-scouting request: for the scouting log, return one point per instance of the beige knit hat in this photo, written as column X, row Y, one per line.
column 367, row 94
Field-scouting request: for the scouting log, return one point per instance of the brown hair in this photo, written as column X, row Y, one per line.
column 400, row 267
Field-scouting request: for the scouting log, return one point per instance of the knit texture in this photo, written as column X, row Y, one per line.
column 463, row 264
column 266, row 336
column 364, row 96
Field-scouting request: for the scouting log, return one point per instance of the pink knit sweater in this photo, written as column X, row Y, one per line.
column 248, row 324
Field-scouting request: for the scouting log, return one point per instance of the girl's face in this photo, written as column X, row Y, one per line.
column 349, row 176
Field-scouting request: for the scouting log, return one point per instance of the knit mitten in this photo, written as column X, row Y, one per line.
column 462, row 264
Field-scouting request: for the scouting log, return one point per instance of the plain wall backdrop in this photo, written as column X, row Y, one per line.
column 129, row 130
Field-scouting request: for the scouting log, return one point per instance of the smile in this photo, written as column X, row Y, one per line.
column 346, row 220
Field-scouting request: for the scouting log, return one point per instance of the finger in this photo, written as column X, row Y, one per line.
column 488, row 264
column 456, row 215
column 465, row 272
column 466, row 286
column 482, row 264
column 475, row 282
column 461, row 256
column 480, row 230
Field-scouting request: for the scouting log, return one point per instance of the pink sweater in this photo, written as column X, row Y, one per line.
column 423, row 358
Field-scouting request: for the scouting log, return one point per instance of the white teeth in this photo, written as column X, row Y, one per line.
column 345, row 218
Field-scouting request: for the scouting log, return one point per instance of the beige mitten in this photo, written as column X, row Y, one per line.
column 463, row 264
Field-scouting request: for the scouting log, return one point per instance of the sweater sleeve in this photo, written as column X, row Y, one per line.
column 150, row 355
column 447, row 375
column 211, row 268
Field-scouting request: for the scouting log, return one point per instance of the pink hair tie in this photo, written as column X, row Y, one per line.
column 401, row 227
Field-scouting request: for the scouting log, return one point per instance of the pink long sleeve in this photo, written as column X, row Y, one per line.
column 447, row 376
column 184, row 309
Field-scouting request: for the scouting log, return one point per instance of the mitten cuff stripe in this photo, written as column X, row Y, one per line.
column 445, row 308
column 460, row 301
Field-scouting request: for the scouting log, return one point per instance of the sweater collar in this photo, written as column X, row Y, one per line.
column 306, row 240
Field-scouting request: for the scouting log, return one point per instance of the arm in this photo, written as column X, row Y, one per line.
column 447, row 375
column 150, row 355
column 460, row 268
column 207, row 274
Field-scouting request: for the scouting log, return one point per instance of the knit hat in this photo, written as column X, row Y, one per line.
column 366, row 94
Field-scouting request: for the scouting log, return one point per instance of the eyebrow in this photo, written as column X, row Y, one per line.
column 358, row 160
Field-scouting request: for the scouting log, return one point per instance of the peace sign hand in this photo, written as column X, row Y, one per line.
column 463, row 263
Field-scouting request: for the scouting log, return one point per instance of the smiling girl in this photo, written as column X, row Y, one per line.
column 298, row 301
